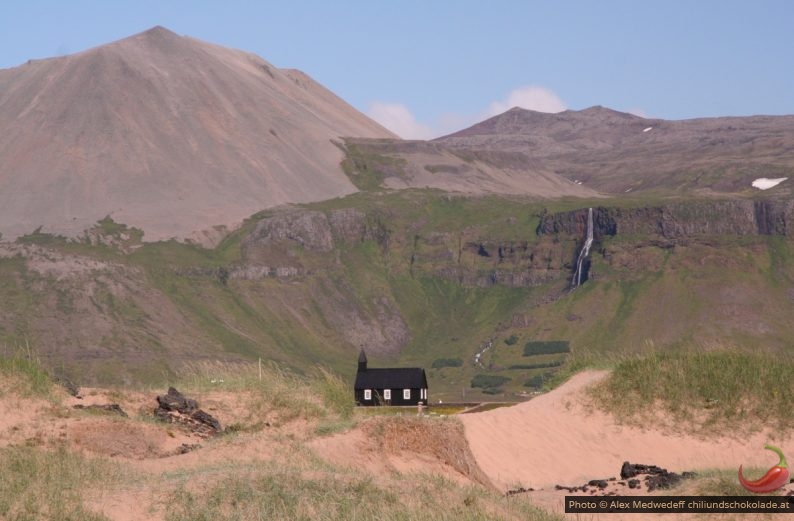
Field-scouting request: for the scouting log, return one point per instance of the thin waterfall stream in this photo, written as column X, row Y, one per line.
column 588, row 242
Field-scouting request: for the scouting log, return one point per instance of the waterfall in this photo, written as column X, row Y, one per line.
column 577, row 274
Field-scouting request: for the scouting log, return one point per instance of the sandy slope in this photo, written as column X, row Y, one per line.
column 555, row 439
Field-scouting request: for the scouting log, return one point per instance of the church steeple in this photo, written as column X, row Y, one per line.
column 362, row 361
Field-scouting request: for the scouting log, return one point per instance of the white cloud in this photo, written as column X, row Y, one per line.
column 531, row 97
column 638, row 112
column 400, row 120
column 397, row 118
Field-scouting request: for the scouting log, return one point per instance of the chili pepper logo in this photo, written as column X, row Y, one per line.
column 774, row 478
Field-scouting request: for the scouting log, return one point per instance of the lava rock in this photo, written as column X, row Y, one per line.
column 630, row 470
column 519, row 490
column 176, row 401
column 174, row 407
column 207, row 419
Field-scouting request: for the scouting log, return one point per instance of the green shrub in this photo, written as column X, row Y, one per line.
column 542, row 365
column 41, row 238
column 486, row 381
column 492, row 390
column 536, row 382
column 549, row 347
column 438, row 363
column 511, row 340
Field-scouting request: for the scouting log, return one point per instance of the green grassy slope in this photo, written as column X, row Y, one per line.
column 433, row 281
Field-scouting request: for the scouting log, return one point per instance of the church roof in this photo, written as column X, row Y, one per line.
column 392, row 378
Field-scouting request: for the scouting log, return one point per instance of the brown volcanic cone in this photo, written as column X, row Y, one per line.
column 166, row 133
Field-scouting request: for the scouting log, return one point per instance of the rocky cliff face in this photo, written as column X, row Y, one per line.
column 297, row 243
column 299, row 239
column 679, row 220
column 314, row 231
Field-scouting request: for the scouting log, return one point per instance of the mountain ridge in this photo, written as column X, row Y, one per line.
column 613, row 153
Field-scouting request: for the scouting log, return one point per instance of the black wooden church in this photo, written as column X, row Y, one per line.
column 389, row 386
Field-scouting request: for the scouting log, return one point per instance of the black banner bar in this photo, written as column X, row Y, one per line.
column 679, row 504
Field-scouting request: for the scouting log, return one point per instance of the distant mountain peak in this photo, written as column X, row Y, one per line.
column 600, row 110
column 158, row 31
column 157, row 36
column 595, row 109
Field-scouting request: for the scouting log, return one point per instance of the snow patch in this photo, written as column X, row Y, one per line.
column 648, row 129
column 763, row 183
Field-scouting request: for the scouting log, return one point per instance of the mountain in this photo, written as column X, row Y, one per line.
column 588, row 153
column 175, row 136
column 615, row 152
column 166, row 133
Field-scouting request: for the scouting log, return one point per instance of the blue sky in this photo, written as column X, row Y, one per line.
column 434, row 66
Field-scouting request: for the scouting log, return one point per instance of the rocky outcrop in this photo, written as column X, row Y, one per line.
column 351, row 226
column 309, row 229
column 475, row 261
column 174, row 407
column 316, row 231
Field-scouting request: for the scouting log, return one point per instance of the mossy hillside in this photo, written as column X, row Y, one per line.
column 728, row 292
column 266, row 318
column 643, row 292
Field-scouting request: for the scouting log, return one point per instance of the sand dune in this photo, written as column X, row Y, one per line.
column 556, row 439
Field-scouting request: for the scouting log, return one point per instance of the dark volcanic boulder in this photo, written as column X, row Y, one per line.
column 176, row 401
column 174, row 407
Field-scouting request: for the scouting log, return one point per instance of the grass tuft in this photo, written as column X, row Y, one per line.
column 320, row 395
column 745, row 390
column 23, row 372
column 40, row 484
column 286, row 491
